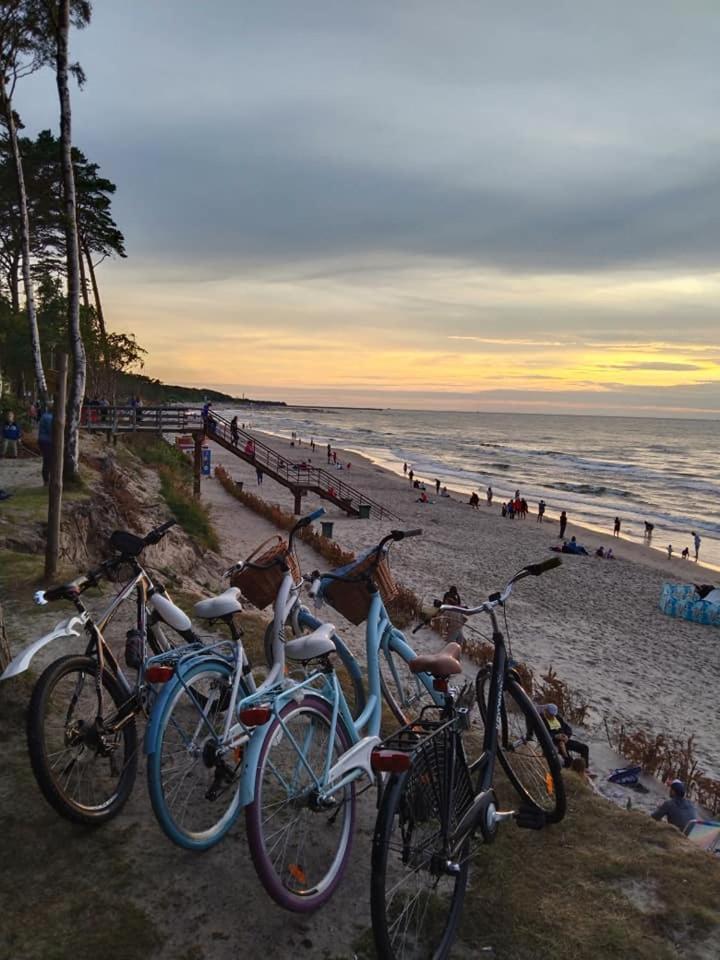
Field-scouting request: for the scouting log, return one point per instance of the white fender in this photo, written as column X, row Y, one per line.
column 358, row 756
column 172, row 615
column 66, row 628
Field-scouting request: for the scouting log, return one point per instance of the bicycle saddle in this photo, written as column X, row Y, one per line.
column 220, row 606
column 444, row 663
column 315, row 644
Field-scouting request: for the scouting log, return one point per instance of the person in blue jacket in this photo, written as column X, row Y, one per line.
column 11, row 436
column 45, row 432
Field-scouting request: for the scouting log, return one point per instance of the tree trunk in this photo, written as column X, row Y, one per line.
column 40, row 380
column 77, row 348
column 83, row 282
column 13, row 283
column 5, row 657
column 98, row 305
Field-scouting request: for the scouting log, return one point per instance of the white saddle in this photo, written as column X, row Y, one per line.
column 315, row 644
column 215, row 607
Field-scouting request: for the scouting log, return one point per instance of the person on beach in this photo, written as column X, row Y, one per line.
column 410, row 475
column 423, row 498
column 259, row 475
column 489, row 496
column 45, row 432
column 541, row 511
column 503, row 510
column 616, row 527
column 600, row 552
column 697, row 541
column 437, row 485
column 686, row 553
column 11, row 436
column 609, row 555
column 669, row 551
column 453, row 621
column 250, row 448
column 405, row 468
column 444, row 493
column 563, row 524
column 474, row 500
column 649, row 527
column 329, row 453
column 678, row 809
column 234, row 434
column 523, row 508
column 334, row 456
column 562, row 734
column 511, row 510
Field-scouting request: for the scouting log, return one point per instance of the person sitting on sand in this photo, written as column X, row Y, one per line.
column 474, row 501
column 416, row 484
column 600, row 552
column 678, row 809
column 575, row 547
column 609, row 555
column 444, row 492
column 686, row 553
column 423, row 498
column 561, row 734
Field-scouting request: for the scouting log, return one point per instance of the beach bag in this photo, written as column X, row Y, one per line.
column 625, row 776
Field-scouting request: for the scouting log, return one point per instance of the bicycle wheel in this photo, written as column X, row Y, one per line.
column 404, row 692
column 416, row 894
column 525, row 749
column 193, row 786
column 299, row 839
column 84, row 771
column 347, row 672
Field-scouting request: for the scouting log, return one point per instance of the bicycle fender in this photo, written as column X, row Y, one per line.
column 152, row 729
column 66, row 628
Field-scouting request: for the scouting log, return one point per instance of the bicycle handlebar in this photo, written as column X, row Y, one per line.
column 156, row 535
column 498, row 599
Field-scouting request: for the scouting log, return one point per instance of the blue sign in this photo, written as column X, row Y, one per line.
column 206, row 461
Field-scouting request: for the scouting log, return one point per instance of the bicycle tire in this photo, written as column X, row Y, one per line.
column 535, row 775
column 351, row 684
column 84, row 752
column 182, row 719
column 403, row 925
column 291, row 886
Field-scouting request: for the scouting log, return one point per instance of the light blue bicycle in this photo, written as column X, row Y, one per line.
column 291, row 753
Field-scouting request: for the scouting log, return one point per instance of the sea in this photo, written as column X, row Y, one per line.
column 666, row 472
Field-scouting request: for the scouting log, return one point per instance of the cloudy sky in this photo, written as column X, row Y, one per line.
column 460, row 205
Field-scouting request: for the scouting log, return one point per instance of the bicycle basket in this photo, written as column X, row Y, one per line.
column 260, row 587
column 351, row 597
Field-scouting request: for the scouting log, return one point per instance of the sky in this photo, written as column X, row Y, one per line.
column 457, row 205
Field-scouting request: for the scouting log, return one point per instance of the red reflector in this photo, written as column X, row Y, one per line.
column 158, row 674
column 390, row 761
column 441, row 685
column 255, row 716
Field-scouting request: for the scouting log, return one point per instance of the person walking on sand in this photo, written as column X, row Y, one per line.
column 541, row 512
column 697, row 540
column 437, row 485
column 405, row 468
column 410, row 475
column 259, row 475
column 329, row 453
column 234, row 434
column 616, row 527
column 563, row 524
column 649, row 527
column 489, row 496
column 11, row 436
column 669, row 551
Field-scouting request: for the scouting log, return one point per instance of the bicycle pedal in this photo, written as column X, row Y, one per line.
column 530, row 818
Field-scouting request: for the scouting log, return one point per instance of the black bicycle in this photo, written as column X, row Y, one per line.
column 436, row 805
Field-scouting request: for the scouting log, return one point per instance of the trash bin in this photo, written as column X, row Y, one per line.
column 364, row 511
column 327, row 528
column 206, row 461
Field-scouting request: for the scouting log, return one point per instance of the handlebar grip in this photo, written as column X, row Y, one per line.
column 159, row 532
column 401, row 534
column 535, row 569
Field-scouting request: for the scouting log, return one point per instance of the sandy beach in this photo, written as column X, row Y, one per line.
column 596, row 622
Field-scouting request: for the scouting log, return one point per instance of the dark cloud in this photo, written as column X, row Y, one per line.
column 652, row 365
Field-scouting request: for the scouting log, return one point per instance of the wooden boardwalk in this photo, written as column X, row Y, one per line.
column 298, row 476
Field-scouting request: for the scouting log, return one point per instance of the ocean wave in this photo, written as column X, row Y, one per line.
column 591, row 489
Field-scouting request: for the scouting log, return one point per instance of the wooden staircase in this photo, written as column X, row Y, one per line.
column 299, row 477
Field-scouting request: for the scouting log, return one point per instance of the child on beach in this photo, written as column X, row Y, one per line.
column 11, row 436
column 669, row 551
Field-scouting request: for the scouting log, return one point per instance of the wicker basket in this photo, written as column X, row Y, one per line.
column 351, row 598
column 260, row 587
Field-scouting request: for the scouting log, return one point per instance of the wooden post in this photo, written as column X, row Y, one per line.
column 52, row 549
column 298, row 498
column 198, row 437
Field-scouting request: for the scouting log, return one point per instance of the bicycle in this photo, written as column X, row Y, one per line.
column 434, row 801
column 295, row 753
column 81, row 730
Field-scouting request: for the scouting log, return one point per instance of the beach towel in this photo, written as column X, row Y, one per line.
column 682, row 600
